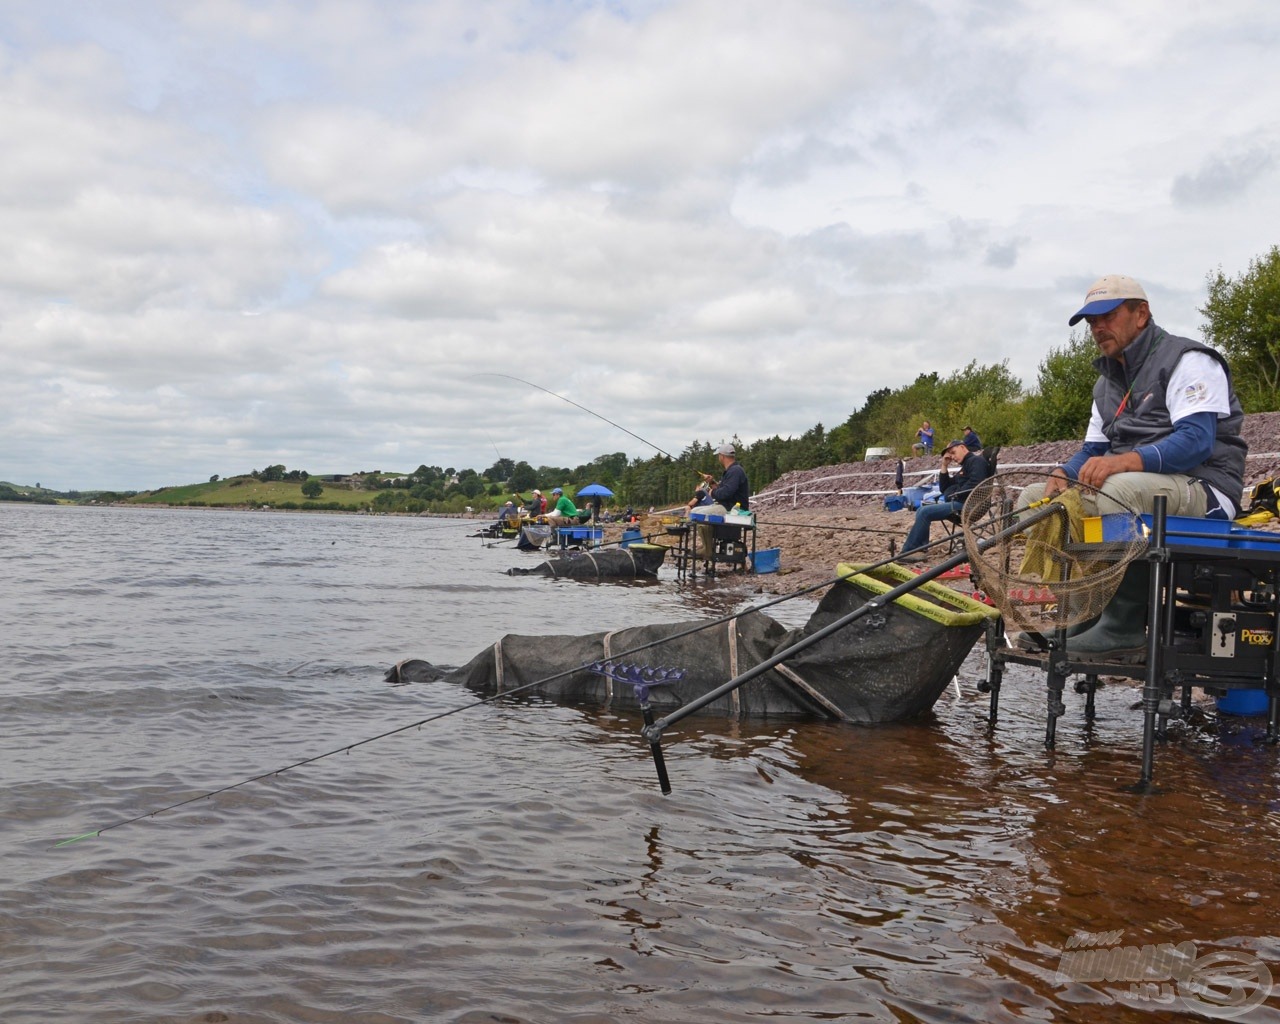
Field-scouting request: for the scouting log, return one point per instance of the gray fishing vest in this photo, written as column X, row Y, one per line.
column 1149, row 361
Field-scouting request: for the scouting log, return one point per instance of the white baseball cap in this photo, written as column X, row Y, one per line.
column 1105, row 294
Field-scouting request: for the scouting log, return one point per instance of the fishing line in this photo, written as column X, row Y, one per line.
column 457, row 710
column 495, row 445
column 819, row 526
column 597, row 415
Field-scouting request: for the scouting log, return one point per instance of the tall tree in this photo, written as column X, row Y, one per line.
column 1064, row 391
column 501, row 470
column 1242, row 320
column 523, row 477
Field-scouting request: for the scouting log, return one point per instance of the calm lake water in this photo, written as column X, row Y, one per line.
column 515, row 862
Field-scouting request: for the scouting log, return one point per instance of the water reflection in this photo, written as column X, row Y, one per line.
column 517, row 860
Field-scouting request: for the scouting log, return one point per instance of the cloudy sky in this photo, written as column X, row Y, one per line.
column 243, row 233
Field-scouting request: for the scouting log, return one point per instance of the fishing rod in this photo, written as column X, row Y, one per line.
column 591, row 412
column 495, row 445
column 347, row 748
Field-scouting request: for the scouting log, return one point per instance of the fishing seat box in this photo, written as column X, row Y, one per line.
column 1183, row 531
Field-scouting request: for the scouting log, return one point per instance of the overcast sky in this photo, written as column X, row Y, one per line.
column 244, row 233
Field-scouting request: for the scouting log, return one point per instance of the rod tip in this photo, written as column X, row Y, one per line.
column 75, row 839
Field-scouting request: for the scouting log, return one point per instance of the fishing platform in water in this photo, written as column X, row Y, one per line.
column 1213, row 624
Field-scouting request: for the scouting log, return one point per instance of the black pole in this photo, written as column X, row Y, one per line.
column 1155, row 623
column 655, row 744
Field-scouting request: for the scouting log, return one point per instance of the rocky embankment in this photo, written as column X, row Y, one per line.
column 821, row 517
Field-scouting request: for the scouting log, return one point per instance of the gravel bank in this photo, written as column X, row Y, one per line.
column 821, row 517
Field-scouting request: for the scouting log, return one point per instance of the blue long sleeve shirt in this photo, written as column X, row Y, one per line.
column 1187, row 447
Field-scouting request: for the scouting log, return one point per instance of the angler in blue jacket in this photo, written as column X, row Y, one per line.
column 733, row 488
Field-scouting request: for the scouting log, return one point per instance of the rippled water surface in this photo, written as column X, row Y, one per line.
column 515, row 861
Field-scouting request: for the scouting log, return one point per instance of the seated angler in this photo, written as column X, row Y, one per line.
column 733, row 492
column 701, row 497
column 973, row 470
column 1165, row 421
column 565, row 511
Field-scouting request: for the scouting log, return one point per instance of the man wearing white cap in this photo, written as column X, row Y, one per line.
column 1165, row 420
column 733, row 488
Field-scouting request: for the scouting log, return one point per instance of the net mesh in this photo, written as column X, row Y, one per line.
column 1059, row 571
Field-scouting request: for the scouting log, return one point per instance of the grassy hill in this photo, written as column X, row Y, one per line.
column 245, row 490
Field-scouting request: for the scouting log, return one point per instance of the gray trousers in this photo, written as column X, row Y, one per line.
column 1136, row 492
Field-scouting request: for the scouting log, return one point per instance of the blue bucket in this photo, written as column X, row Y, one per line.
column 766, row 560
column 1243, row 702
column 631, row 536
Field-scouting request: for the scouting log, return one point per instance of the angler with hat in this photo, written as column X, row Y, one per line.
column 733, row 488
column 974, row 468
column 732, row 492
column 1165, row 420
column 564, row 508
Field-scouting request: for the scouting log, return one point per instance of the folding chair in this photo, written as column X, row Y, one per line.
column 955, row 537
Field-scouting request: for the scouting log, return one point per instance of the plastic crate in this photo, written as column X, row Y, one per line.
column 766, row 560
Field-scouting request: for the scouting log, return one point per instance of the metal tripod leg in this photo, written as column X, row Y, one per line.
column 1157, row 622
column 1055, row 683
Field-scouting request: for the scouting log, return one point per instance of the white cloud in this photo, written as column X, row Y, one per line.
column 698, row 218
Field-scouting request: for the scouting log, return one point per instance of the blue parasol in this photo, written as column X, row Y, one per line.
column 592, row 490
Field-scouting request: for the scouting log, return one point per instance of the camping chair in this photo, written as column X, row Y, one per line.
column 955, row 537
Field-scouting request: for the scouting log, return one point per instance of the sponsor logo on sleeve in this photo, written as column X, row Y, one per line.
column 1195, row 394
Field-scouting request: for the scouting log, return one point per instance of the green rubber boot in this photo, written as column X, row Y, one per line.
column 1120, row 634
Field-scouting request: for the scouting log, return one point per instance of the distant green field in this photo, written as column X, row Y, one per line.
column 248, row 491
